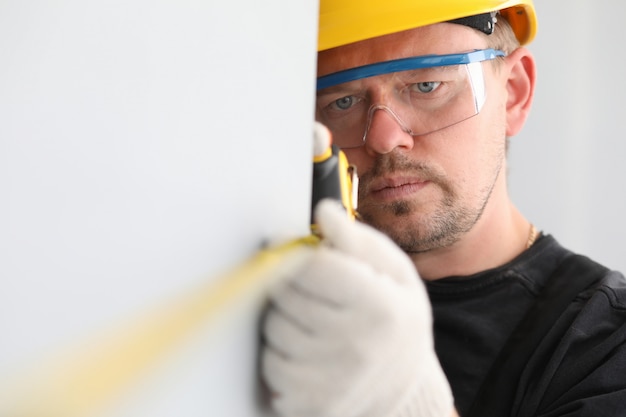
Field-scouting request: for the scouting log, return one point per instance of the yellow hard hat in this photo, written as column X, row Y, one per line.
column 345, row 21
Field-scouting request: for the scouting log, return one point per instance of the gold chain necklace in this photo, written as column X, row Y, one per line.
column 532, row 236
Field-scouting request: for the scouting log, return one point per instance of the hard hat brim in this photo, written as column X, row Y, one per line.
column 347, row 21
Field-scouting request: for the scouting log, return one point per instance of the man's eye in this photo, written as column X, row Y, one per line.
column 344, row 103
column 426, row 86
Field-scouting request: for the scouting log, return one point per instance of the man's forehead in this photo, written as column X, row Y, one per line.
column 440, row 38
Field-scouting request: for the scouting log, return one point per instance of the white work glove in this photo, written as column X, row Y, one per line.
column 350, row 333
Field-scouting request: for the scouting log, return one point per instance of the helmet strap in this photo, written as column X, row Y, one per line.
column 484, row 22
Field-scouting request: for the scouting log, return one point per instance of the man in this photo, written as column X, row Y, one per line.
column 422, row 96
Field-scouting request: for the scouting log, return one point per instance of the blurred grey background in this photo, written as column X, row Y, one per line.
column 567, row 166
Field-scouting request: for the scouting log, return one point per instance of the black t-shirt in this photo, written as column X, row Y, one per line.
column 585, row 375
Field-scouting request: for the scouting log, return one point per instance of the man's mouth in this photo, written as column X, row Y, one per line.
column 395, row 188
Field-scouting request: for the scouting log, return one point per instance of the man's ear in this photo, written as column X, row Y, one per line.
column 520, row 88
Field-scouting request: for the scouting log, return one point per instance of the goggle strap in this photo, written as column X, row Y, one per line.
column 403, row 64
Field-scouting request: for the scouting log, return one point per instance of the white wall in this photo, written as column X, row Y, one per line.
column 146, row 146
column 567, row 167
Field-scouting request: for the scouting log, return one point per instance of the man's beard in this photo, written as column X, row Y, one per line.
column 402, row 221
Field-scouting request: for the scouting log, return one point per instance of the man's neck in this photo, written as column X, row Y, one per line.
column 497, row 238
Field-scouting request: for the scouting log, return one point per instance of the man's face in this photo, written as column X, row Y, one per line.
column 425, row 191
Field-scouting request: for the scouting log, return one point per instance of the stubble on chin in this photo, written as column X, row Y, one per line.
column 417, row 232
column 414, row 225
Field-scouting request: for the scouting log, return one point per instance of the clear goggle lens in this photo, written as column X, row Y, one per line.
column 421, row 100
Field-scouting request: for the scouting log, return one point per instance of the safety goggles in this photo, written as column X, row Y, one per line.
column 423, row 94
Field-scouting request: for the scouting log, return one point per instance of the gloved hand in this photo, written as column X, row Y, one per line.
column 350, row 333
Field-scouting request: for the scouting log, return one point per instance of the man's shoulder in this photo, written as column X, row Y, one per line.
column 581, row 361
column 605, row 285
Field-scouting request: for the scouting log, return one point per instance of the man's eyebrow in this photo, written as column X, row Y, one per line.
column 355, row 85
column 336, row 88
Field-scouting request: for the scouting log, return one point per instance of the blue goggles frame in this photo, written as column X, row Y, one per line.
column 404, row 64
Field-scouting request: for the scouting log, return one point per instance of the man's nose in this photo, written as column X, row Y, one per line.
column 386, row 131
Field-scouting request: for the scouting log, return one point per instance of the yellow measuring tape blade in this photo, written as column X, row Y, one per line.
column 82, row 381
